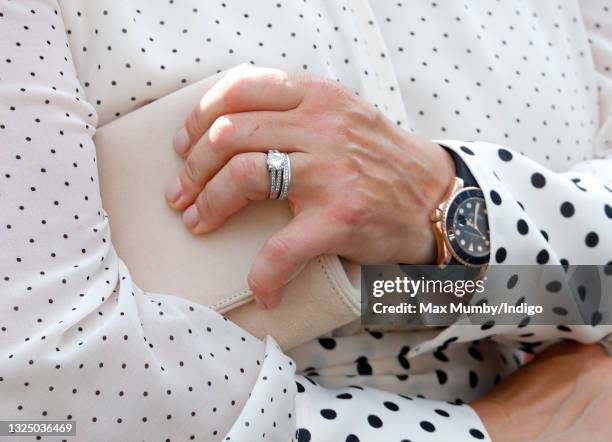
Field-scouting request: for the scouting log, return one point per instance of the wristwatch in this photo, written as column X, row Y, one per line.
column 460, row 223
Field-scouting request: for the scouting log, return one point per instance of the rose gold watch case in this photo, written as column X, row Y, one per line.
column 445, row 250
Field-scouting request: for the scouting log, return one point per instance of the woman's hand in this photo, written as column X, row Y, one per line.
column 564, row 394
column 362, row 187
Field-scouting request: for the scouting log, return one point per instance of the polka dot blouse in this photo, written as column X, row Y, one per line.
column 522, row 91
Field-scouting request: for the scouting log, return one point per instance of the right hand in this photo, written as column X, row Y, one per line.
column 564, row 394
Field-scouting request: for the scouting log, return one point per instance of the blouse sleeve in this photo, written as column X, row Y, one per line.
column 538, row 216
column 80, row 341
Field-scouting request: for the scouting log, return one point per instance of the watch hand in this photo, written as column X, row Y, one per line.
column 474, row 226
column 471, row 224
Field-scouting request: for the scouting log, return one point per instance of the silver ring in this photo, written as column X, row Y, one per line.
column 279, row 168
column 286, row 178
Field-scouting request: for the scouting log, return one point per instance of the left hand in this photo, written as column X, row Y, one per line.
column 362, row 187
column 563, row 395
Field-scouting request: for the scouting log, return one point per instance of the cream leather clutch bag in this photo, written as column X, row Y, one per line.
column 136, row 161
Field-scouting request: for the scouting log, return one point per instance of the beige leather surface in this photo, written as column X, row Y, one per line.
column 135, row 162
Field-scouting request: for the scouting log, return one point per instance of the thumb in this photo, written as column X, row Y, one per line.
column 284, row 255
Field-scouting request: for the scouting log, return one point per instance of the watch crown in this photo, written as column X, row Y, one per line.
column 436, row 215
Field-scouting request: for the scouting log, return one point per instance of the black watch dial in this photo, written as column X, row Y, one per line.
column 467, row 227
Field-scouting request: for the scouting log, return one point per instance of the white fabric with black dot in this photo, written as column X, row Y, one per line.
column 79, row 340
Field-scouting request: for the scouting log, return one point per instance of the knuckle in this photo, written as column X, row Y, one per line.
column 203, row 201
column 352, row 210
column 323, row 92
column 220, row 132
column 374, row 120
column 327, row 87
column 277, row 249
column 242, row 169
column 233, row 92
column 194, row 124
column 346, row 115
column 356, row 118
column 193, row 171
column 372, row 114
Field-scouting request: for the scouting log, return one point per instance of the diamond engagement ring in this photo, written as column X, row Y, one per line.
column 279, row 167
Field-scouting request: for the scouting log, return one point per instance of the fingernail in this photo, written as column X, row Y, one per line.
column 180, row 141
column 191, row 216
column 173, row 191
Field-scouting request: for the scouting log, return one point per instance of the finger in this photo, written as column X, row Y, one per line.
column 246, row 88
column 244, row 178
column 304, row 238
column 233, row 134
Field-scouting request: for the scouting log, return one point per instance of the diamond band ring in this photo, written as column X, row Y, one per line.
column 279, row 167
